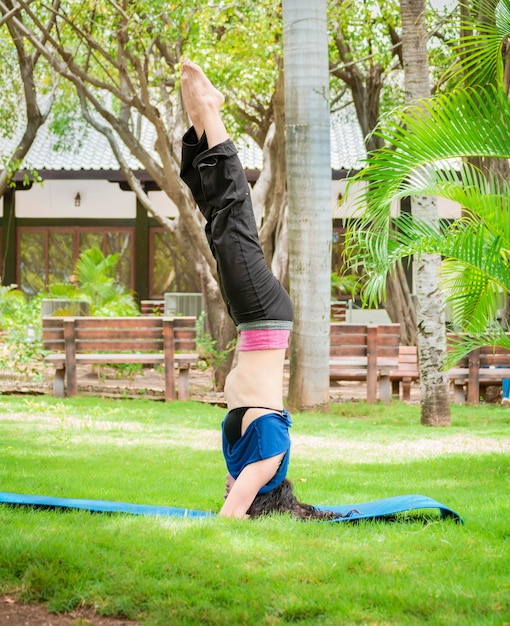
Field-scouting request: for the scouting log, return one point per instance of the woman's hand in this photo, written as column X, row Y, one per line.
column 228, row 485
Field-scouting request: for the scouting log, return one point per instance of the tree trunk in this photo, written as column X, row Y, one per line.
column 309, row 197
column 400, row 307
column 35, row 118
column 270, row 194
column 430, row 310
column 219, row 325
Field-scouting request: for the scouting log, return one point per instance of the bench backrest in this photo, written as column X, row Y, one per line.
column 494, row 356
column 53, row 334
column 408, row 361
column 118, row 334
column 366, row 350
column 486, row 356
column 152, row 307
column 185, row 333
column 339, row 311
column 358, row 340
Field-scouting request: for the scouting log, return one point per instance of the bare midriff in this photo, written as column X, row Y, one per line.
column 256, row 381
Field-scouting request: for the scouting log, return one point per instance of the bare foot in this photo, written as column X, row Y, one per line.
column 199, row 95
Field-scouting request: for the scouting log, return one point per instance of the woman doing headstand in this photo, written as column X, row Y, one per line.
column 256, row 442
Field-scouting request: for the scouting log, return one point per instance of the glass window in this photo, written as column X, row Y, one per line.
column 48, row 255
column 338, row 245
column 163, row 275
column 121, row 242
column 169, row 270
column 90, row 240
column 33, row 264
column 60, row 257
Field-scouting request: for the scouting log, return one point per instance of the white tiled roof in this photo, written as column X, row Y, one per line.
column 92, row 151
column 347, row 146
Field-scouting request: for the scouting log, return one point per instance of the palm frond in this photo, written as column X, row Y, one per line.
column 475, row 268
column 472, row 298
column 474, row 246
column 422, row 139
column 480, row 60
column 483, row 194
column 463, row 344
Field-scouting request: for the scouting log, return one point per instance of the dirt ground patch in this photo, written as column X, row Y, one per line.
column 107, row 382
column 15, row 613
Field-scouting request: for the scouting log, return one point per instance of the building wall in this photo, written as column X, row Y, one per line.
column 347, row 207
column 49, row 221
column 46, row 227
column 98, row 199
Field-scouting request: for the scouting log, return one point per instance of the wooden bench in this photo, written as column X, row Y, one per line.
column 152, row 307
column 338, row 311
column 482, row 367
column 406, row 372
column 366, row 352
column 170, row 342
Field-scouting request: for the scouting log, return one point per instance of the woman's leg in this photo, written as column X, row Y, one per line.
column 211, row 167
column 506, row 388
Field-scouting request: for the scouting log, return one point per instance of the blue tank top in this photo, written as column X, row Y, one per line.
column 265, row 437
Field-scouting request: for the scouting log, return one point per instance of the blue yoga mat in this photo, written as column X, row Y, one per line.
column 352, row 512
column 387, row 507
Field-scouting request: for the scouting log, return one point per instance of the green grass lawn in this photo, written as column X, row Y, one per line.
column 417, row 569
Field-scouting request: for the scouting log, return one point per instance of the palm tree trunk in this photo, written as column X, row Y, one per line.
column 430, row 311
column 309, row 196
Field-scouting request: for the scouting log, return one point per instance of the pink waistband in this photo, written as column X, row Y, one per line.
column 263, row 339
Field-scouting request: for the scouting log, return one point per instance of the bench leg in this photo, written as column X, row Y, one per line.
column 395, row 389
column 183, row 382
column 473, row 391
column 58, row 382
column 406, row 389
column 384, row 388
column 458, row 392
column 71, row 379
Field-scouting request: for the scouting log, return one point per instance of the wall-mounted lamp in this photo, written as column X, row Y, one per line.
column 77, row 199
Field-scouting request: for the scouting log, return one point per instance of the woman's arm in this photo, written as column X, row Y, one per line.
column 247, row 485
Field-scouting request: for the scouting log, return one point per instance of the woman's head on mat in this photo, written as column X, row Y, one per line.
column 281, row 500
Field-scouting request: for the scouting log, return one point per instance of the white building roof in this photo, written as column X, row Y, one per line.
column 92, row 152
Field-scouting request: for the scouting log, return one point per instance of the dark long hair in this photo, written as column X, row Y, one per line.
column 281, row 499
